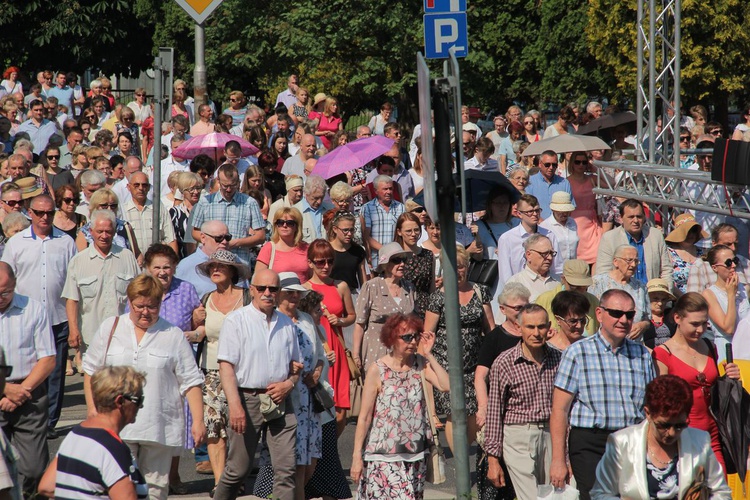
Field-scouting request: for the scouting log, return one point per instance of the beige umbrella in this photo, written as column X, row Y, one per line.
column 566, row 143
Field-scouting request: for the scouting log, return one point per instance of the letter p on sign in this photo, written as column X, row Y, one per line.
column 443, row 31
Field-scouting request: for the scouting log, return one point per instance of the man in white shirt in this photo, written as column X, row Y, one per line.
column 563, row 225
column 511, row 257
column 259, row 361
column 139, row 211
column 289, row 95
column 39, row 257
column 482, row 157
column 296, row 164
column 536, row 273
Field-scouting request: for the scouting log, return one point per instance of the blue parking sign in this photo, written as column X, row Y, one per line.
column 443, row 31
column 434, row 6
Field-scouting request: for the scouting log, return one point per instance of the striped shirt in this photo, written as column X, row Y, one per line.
column 520, row 393
column 609, row 385
column 90, row 461
column 25, row 335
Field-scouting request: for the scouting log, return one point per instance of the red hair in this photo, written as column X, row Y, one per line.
column 320, row 249
column 668, row 396
column 12, row 69
column 397, row 325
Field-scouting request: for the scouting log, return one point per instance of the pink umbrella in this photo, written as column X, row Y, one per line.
column 351, row 156
column 211, row 145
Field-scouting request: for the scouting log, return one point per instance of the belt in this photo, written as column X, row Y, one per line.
column 253, row 392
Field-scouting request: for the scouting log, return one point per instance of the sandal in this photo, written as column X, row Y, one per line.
column 178, row 488
column 438, row 424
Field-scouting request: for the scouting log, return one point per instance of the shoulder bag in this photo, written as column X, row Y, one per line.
column 484, row 271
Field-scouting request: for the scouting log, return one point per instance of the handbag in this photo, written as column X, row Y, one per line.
column 354, row 371
column 483, row 272
column 321, row 400
column 698, row 489
column 435, row 456
column 355, row 397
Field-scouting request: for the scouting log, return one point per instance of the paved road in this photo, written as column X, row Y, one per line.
column 199, row 485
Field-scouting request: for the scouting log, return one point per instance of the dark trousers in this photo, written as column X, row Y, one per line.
column 585, row 449
column 26, row 429
column 56, row 379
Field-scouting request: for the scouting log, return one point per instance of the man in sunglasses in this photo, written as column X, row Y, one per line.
column 259, row 365
column 214, row 235
column 26, row 337
column 39, row 256
column 546, row 182
column 139, row 212
column 599, row 388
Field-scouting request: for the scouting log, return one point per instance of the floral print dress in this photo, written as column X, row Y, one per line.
column 420, row 271
column 681, row 269
column 394, row 461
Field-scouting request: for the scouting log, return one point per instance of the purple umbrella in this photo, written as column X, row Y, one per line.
column 351, row 156
column 210, row 144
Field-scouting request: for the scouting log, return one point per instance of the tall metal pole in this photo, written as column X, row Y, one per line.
column 639, row 87
column 446, row 194
column 199, row 73
column 158, row 111
column 677, row 81
column 652, row 82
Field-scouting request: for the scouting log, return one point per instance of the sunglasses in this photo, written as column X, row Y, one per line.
column 548, row 165
column 322, row 262
column 12, row 203
column 68, row 200
column 42, row 213
column 286, row 223
column 136, row 400
column 663, row 426
column 53, row 157
column 684, row 139
column 730, row 262
column 571, row 322
column 580, row 162
column 109, row 206
column 410, row 337
column 144, row 185
column 220, row 238
column 397, row 260
column 263, row 288
column 715, row 132
column 418, row 210
column 617, row 314
column 141, row 95
column 528, row 122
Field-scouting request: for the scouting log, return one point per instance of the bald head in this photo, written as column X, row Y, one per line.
column 210, row 232
column 307, row 146
column 133, row 164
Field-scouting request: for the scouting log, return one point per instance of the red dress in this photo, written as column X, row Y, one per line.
column 700, row 383
column 338, row 375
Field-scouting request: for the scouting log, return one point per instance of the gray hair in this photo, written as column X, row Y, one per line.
column 513, row 290
column 91, row 177
column 380, row 179
column 315, row 183
column 621, row 249
column 96, row 83
column 23, row 144
column 15, row 220
column 100, row 214
column 534, row 239
column 590, row 106
column 341, row 190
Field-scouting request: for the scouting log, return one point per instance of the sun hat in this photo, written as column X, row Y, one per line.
column 319, row 97
column 682, row 226
column 289, row 282
column 576, row 272
column 29, row 187
column 387, row 252
column 561, row 202
column 659, row 285
column 226, row 258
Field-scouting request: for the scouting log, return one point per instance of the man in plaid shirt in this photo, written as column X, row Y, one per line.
column 600, row 388
column 379, row 217
column 520, row 401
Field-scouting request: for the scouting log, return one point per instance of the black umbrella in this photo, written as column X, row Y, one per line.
column 479, row 183
column 730, row 407
column 607, row 122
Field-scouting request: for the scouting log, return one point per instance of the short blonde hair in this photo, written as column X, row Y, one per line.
column 186, row 180
column 341, row 191
column 112, row 381
column 294, row 214
column 172, row 179
column 101, row 196
column 145, row 285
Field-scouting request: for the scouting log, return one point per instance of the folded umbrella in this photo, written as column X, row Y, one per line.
column 352, row 155
column 211, row 144
column 566, row 143
column 730, row 407
column 606, row 122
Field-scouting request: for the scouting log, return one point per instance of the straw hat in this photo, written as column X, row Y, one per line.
column 228, row 259
column 561, row 202
column 576, row 272
column 659, row 285
column 682, row 226
column 319, row 97
column 387, row 252
column 29, row 187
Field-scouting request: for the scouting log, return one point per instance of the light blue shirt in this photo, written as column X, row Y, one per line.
column 26, row 335
column 640, row 271
column 317, row 215
column 543, row 190
column 39, row 135
column 186, row 271
column 64, row 96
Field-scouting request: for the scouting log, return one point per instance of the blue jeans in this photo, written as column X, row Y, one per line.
column 56, row 379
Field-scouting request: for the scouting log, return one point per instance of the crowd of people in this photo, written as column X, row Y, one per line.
column 275, row 305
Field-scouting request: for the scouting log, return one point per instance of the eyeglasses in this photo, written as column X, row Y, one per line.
column 68, row 200
column 141, row 185
column 53, row 157
column 136, row 400
column 526, row 122
column 678, row 426
column 580, row 162
column 551, row 254
column 286, row 223
column 233, row 100
column 42, row 213
column 229, row 186
column 12, row 203
column 548, row 165
column 630, row 261
column 322, row 262
column 410, row 337
column 397, row 260
column 412, row 231
column 730, row 262
column 617, row 314
column 263, row 288
column 529, row 213
column 572, row 322
column 345, row 230
column 194, row 189
column 220, row 238
column 515, row 308
column 139, row 309
column 109, row 206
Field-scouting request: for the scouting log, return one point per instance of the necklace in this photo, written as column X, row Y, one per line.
column 658, row 461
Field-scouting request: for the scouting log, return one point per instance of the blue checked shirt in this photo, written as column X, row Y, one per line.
column 240, row 215
column 381, row 223
column 609, row 386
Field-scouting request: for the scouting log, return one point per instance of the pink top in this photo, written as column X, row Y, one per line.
column 294, row 261
column 328, row 124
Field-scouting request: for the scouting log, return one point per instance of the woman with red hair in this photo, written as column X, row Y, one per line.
column 661, row 457
column 338, row 313
column 10, row 81
column 393, row 430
